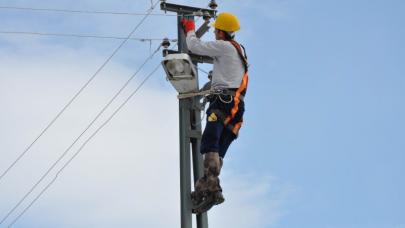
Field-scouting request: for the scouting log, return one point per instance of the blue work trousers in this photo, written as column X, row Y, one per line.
column 217, row 136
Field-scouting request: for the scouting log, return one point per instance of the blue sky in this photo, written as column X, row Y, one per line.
column 322, row 145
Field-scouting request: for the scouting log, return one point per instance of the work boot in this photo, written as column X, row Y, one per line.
column 204, row 186
column 207, row 199
column 218, row 197
column 209, row 183
column 200, row 190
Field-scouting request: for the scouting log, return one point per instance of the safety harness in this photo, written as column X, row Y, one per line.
column 240, row 92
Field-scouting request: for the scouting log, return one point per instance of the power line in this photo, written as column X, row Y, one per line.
column 78, row 93
column 78, row 138
column 82, row 11
column 94, row 12
column 83, row 145
column 79, row 36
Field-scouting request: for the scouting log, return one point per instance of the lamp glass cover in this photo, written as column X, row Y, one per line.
column 175, row 67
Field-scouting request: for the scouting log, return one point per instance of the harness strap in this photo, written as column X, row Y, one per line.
column 242, row 56
column 240, row 92
column 234, row 128
column 244, row 51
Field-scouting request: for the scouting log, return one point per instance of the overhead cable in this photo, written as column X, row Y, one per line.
column 83, row 145
column 199, row 13
column 79, row 92
column 82, row 11
column 202, row 70
column 80, row 136
column 80, row 36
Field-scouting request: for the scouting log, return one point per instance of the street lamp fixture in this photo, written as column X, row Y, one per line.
column 181, row 72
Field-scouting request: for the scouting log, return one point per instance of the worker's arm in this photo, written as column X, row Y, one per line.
column 212, row 48
column 199, row 47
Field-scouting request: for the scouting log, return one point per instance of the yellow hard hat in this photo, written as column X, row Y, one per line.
column 226, row 22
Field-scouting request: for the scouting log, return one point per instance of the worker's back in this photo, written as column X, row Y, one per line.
column 228, row 68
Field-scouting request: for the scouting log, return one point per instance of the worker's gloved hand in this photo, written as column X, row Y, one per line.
column 188, row 25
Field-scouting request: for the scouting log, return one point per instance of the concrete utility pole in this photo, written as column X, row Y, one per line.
column 189, row 115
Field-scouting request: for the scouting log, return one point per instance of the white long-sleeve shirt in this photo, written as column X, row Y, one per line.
column 228, row 67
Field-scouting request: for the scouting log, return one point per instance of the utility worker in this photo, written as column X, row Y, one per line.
column 226, row 108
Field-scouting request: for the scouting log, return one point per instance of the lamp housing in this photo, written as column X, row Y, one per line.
column 181, row 72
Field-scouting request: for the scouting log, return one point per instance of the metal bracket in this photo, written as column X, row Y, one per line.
column 203, row 29
column 194, row 57
column 182, row 9
column 169, row 51
column 201, row 58
column 194, row 134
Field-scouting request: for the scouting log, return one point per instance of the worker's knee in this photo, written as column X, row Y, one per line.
column 211, row 137
column 212, row 164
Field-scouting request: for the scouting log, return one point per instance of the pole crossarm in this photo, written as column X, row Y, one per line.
column 182, row 9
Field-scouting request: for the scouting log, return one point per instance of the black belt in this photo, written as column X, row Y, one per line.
column 232, row 92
